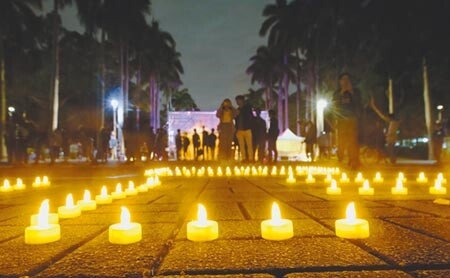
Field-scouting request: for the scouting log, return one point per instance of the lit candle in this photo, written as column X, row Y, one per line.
column 310, row 178
column 399, row 189
column 276, row 228
column 291, row 179
column 344, row 178
column 87, row 203
column 19, row 184
column 237, row 172
column 437, row 189
column 202, row 229
column 104, row 198
column 219, row 171
column 125, row 232
column 118, row 193
column 333, row 189
column 366, row 189
column 45, row 181
column 178, row 172
column 359, row 178
column 42, row 231
column 282, row 171
column 441, row 178
column 273, row 172
column 157, row 181
column 6, row 187
column 421, row 178
column 228, row 172
column 142, row 188
column 378, row 178
column 401, row 177
column 265, row 171
column 69, row 210
column 328, row 178
column 247, row 171
column 52, row 218
column 350, row 226
column 131, row 190
column 255, row 172
column 37, row 182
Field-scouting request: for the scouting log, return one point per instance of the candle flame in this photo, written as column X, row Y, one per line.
column 350, row 213
column 6, row 184
column 438, row 184
column 131, row 185
column 104, row 192
column 69, row 201
column 125, row 218
column 44, row 209
column 399, row 183
column 359, row 176
column 401, row 175
column 119, row 188
column 19, row 182
column 440, row 176
column 276, row 214
column 202, row 217
column 45, row 179
column 344, row 176
column 378, row 176
column 87, row 195
column 366, row 185
column 333, row 184
column 37, row 180
column 422, row 175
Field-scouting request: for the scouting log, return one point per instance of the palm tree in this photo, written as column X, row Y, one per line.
column 17, row 18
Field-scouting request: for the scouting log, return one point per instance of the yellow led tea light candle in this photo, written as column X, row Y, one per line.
column 351, row 226
column 87, row 203
column 6, row 187
column 131, row 190
column 399, row 189
column 104, row 198
column 437, row 189
column 277, row 228
column 202, row 229
column 125, row 232
column 19, row 184
column 118, row 193
column 53, row 218
column 422, row 178
column 333, row 189
column 378, row 178
column 69, row 210
column 365, row 189
column 42, row 231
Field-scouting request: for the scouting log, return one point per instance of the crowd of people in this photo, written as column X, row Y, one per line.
column 242, row 134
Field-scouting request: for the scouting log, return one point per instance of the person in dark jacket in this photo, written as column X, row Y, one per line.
column 178, row 144
column 310, row 139
column 212, row 138
column 244, row 121
column 196, row 143
column 259, row 135
column 272, row 136
column 347, row 108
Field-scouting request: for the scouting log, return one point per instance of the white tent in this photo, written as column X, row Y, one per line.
column 291, row 146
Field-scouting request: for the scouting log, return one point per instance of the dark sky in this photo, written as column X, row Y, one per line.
column 215, row 37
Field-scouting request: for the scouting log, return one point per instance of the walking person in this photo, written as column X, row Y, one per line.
column 259, row 130
column 244, row 121
column 310, row 139
column 391, row 132
column 205, row 143
column 226, row 114
column 438, row 141
column 272, row 136
column 347, row 108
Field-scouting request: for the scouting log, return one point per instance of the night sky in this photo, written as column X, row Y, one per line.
column 215, row 37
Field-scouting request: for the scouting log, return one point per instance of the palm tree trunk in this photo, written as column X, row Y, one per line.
column 3, row 101
column 280, row 105
column 103, row 80
column 286, row 94
column 299, row 87
column 427, row 108
column 120, row 109
column 54, row 91
column 126, row 80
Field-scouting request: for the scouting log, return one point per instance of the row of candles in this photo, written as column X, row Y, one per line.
column 19, row 185
column 44, row 226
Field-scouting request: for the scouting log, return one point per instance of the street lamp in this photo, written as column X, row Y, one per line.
column 114, row 105
column 320, row 108
column 440, row 108
column 11, row 109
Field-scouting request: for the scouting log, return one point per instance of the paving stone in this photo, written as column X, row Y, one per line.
column 363, row 212
column 251, row 229
column 100, row 258
column 7, row 232
column 255, row 275
column 355, row 274
column 260, row 255
column 424, row 206
column 217, row 211
column 433, row 273
column 433, row 226
column 22, row 258
column 263, row 210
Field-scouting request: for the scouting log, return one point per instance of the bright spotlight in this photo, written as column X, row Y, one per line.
column 114, row 103
column 321, row 104
column 11, row 109
column 440, row 107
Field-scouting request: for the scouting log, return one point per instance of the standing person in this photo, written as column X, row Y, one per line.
column 104, row 144
column 244, row 122
column 259, row 130
column 151, row 143
column 196, row 143
column 226, row 113
column 205, row 143
column 438, row 141
column 186, row 143
column 347, row 108
column 391, row 132
column 178, row 144
column 212, row 138
column 310, row 139
column 272, row 136
column 324, row 142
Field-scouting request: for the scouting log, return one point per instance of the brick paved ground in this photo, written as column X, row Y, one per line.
column 410, row 236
